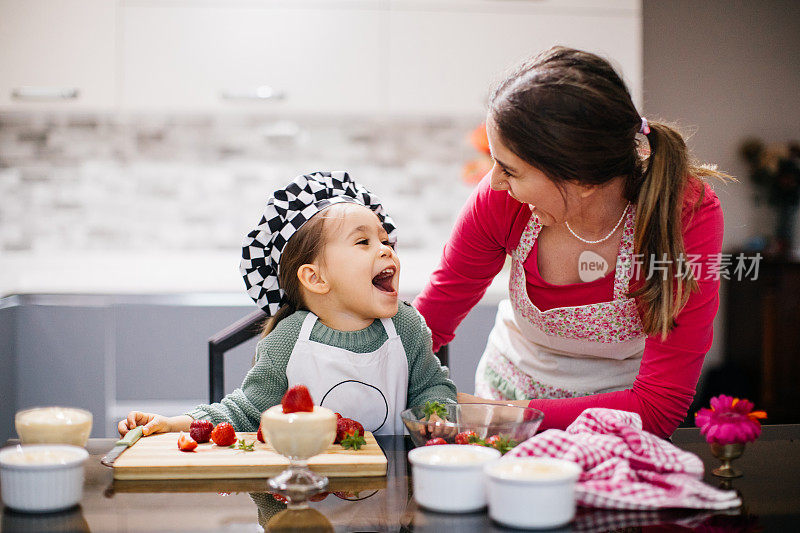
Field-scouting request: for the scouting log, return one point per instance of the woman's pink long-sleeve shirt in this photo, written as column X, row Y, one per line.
column 490, row 226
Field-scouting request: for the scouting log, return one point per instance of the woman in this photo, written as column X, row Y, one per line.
column 572, row 187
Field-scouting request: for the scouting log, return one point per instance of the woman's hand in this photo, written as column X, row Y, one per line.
column 469, row 398
column 152, row 423
column 463, row 397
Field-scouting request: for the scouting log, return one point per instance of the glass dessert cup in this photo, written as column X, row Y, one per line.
column 298, row 437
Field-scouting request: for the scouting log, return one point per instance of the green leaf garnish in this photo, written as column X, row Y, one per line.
column 242, row 445
column 353, row 441
column 435, row 408
column 504, row 444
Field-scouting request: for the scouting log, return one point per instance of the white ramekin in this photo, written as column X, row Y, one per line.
column 522, row 499
column 450, row 488
column 42, row 487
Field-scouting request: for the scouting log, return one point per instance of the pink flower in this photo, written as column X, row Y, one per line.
column 730, row 420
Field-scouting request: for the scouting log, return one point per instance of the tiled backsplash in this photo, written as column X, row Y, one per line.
column 154, row 182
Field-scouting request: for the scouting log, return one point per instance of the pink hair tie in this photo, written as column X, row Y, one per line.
column 645, row 129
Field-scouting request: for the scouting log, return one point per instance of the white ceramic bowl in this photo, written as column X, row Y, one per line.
column 449, row 478
column 53, row 425
column 532, row 492
column 42, row 477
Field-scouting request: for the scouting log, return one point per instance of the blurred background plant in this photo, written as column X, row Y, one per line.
column 475, row 169
column 775, row 171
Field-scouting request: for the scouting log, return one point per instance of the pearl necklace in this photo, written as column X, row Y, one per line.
column 607, row 236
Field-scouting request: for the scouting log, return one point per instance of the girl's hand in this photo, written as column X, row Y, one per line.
column 152, row 423
column 437, row 427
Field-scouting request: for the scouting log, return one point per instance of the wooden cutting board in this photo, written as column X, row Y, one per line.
column 158, row 457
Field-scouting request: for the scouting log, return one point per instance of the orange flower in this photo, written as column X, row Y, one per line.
column 479, row 139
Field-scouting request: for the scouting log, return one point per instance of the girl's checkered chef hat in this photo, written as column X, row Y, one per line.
column 286, row 212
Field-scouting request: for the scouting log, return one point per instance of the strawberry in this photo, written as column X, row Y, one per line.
column 223, row 434
column 259, row 435
column 186, row 443
column 279, row 498
column 297, row 399
column 465, row 437
column 353, row 440
column 319, row 497
column 338, row 416
column 345, row 427
column 503, row 444
column 493, row 440
column 436, row 442
column 200, row 430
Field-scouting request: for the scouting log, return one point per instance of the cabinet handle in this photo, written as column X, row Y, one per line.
column 44, row 93
column 264, row 92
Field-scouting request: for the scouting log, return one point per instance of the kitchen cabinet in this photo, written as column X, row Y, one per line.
column 395, row 57
column 61, row 358
column 110, row 354
column 445, row 56
column 266, row 56
column 762, row 360
column 57, row 54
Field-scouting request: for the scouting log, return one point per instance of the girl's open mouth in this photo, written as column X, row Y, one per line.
column 383, row 281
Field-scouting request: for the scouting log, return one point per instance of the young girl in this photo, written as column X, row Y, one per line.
column 580, row 177
column 322, row 265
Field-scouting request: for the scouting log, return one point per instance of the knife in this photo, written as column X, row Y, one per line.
column 123, row 444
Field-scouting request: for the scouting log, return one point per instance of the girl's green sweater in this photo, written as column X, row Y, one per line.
column 266, row 382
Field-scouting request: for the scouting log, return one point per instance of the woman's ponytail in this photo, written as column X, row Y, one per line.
column 667, row 280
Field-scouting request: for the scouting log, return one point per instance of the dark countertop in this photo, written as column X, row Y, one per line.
column 770, row 489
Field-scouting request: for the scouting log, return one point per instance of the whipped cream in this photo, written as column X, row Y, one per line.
column 64, row 425
column 299, row 435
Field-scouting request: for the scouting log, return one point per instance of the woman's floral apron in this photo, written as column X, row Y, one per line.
column 565, row 351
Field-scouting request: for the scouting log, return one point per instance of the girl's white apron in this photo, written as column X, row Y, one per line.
column 368, row 387
column 565, row 351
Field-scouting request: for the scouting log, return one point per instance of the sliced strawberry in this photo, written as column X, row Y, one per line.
column 259, row 435
column 436, row 442
column 200, row 430
column 465, row 437
column 223, row 434
column 186, row 443
column 279, row 498
column 297, row 399
column 338, row 416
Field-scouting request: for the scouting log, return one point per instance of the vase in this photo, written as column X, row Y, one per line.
column 727, row 453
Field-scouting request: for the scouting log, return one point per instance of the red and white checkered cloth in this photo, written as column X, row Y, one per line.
column 625, row 467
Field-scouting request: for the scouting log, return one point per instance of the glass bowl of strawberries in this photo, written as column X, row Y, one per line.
column 499, row 426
